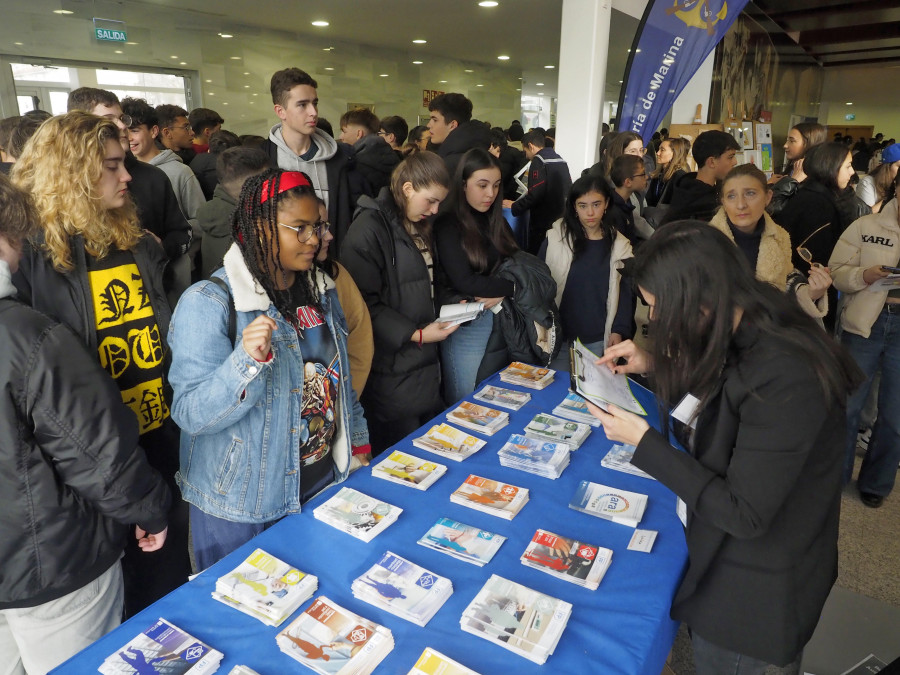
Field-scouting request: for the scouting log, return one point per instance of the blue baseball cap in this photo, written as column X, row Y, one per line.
column 891, row 154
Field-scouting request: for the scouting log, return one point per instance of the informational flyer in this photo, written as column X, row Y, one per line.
column 598, row 384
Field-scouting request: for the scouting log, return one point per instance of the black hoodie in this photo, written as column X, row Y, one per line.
column 692, row 199
column 463, row 138
column 375, row 160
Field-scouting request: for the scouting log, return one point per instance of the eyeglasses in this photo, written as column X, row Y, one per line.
column 304, row 233
column 639, row 175
column 804, row 253
column 183, row 127
column 382, row 133
column 123, row 118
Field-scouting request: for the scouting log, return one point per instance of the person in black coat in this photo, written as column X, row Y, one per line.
column 453, row 131
column 696, row 194
column 389, row 254
column 511, row 162
column 549, row 182
column 763, row 390
column 370, row 154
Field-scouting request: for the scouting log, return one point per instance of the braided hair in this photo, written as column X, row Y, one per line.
column 254, row 226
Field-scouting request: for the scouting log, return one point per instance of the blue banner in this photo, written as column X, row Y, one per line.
column 674, row 38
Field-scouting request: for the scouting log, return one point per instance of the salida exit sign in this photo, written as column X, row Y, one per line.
column 109, row 30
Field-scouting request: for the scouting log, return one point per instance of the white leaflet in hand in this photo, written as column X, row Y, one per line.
column 599, row 384
column 460, row 312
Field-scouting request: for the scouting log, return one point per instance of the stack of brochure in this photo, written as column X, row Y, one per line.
column 398, row 467
column 462, row 541
column 525, row 375
column 574, row 407
column 163, row 643
column 444, row 440
column 619, row 506
column 478, row 418
column 619, row 459
column 460, row 312
column 357, row 514
column 505, row 398
column 483, row 494
column 432, row 662
column 265, row 588
column 402, row 588
column 332, row 640
column 567, row 559
column 517, row 618
column 538, row 457
column 546, row 427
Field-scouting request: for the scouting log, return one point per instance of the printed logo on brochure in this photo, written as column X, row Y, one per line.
column 426, row 581
column 612, row 503
column 587, row 552
column 194, row 652
column 359, row 635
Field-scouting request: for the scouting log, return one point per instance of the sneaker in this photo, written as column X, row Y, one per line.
column 863, row 438
column 871, row 500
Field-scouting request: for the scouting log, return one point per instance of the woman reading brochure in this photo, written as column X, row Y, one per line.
column 762, row 389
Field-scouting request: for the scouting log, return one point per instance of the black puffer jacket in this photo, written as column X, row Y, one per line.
column 375, row 160
column 391, row 275
column 529, row 323
column 72, row 478
column 463, row 138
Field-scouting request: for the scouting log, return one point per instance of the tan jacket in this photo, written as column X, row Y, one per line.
column 869, row 241
column 360, row 343
column 774, row 262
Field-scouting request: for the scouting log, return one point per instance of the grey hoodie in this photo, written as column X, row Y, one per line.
column 185, row 185
column 312, row 163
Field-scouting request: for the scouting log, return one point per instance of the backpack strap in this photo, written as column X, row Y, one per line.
column 232, row 314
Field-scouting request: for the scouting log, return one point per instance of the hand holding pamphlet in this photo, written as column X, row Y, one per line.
column 598, row 384
column 460, row 312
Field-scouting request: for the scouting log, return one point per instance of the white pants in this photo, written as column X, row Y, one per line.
column 34, row 640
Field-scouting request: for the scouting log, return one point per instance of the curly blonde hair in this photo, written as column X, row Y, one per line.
column 61, row 168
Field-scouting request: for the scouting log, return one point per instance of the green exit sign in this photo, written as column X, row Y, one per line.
column 110, row 35
column 108, row 30
column 850, row 117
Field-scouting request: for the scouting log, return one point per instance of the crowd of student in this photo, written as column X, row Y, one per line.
column 311, row 339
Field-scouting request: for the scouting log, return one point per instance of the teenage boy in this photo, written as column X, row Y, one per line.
column 295, row 144
column 549, row 182
column 696, row 195
column 175, row 132
column 629, row 175
column 395, row 131
column 204, row 123
column 150, row 188
column 373, row 157
column 452, row 130
column 73, row 480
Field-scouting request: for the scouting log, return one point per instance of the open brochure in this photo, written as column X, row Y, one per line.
column 598, row 384
column 460, row 312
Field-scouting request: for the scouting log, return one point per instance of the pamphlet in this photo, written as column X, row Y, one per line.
column 432, row 662
column 460, row 312
column 446, row 441
column 462, row 541
column 483, row 494
column 163, row 645
column 398, row 467
column 599, row 384
column 567, row 559
column 357, row 514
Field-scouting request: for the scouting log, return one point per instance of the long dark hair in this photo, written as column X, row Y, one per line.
column 699, row 278
column 573, row 230
column 497, row 228
column 254, row 226
column 823, row 162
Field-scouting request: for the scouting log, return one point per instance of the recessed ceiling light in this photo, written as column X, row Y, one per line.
column 173, row 57
column 383, row 75
column 488, row 3
column 638, row 51
column 469, row 70
column 518, row 90
column 246, row 73
column 235, row 58
column 182, row 63
column 849, row 102
column 327, row 49
column 62, row 11
column 256, row 94
column 119, row 51
column 132, row 43
column 417, row 63
column 621, row 81
column 503, row 57
column 226, row 35
column 224, row 102
column 208, row 81
column 212, row 93
column 329, row 68
column 539, row 84
column 246, row 86
column 443, row 82
column 419, row 42
column 18, row 44
column 549, row 67
column 320, row 24
column 540, row 93
column 479, row 85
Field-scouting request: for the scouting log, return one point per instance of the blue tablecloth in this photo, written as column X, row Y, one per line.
column 621, row 628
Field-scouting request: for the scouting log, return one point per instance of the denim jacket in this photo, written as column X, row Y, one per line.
column 240, row 419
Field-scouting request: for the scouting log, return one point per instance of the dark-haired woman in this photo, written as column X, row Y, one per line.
column 671, row 164
column 759, row 488
column 584, row 253
column 799, row 140
column 417, row 140
column 472, row 238
column 390, row 255
column 268, row 417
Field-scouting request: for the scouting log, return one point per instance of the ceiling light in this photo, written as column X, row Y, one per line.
column 417, row 63
column 443, row 82
column 327, row 49
column 383, row 75
column 224, row 102
column 246, row 73
column 469, row 70
column 329, row 68
column 539, row 84
column 419, row 42
column 479, row 85
column 540, row 93
column 638, row 51
column 226, row 35
column 119, row 51
column 621, row 81
column 488, row 3
column 132, row 43
column 63, row 11
column 549, row 67
column 173, row 57
column 246, row 86
column 18, row 44
column 235, row 58
column 256, row 94
column 212, row 93
column 849, row 102
column 503, row 57
column 518, row 90
column 208, row 81
column 320, row 24
column 182, row 63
